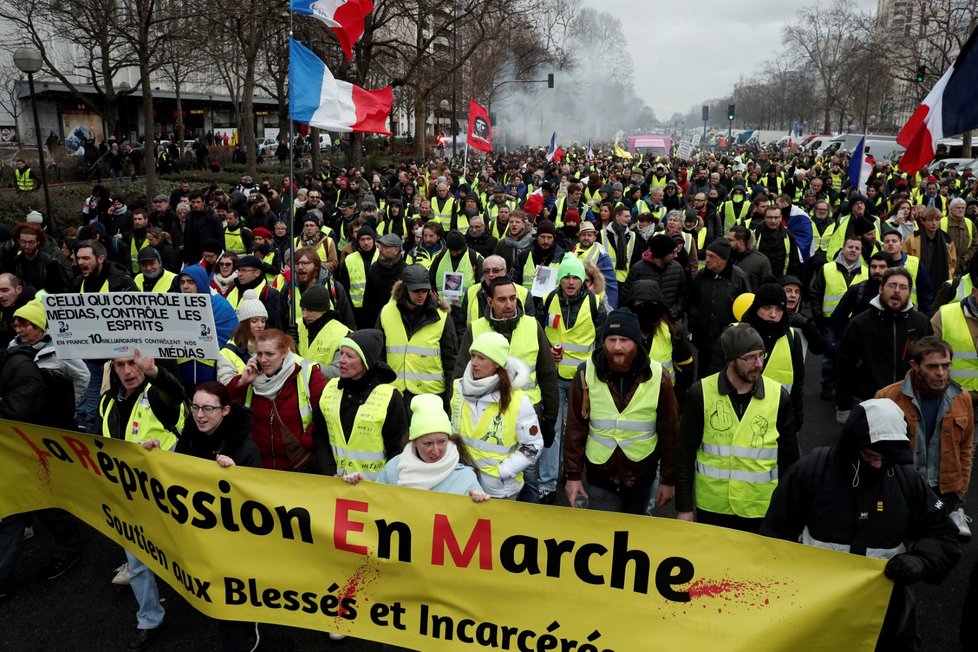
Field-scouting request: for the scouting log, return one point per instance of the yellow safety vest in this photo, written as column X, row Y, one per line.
column 236, row 294
column 134, row 253
column 661, row 350
column 163, row 283
column 733, row 214
column 230, row 353
column 362, row 450
column 25, row 180
column 324, row 346
column 836, row 286
column 577, row 342
column 530, row 270
column 420, row 256
column 142, row 425
column 302, row 380
column 824, row 241
column 912, row 265
column 477, row 308
column 968, row 224
column 523, row 345
column 445, row 266
column 443, row 214
column 837, row 181
column 632, row 429
column 622, row 274
column 233, row 240
column 778, row 365
column 701, row 249
column 493, row 438
column 589, row 255
column 737, row 463
column 268, row 260
column 416, row 361
column 357, row 272
column 964, row 287
column 964, row 364
column 104, row 288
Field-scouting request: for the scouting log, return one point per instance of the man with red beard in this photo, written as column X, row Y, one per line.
column 622, row 420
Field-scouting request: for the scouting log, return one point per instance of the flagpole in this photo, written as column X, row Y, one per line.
column 291, row 208
column 465, row 165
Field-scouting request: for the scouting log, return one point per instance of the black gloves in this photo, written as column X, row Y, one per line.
column 905, row 569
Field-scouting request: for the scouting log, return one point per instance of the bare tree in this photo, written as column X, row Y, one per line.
column 9, row 97
column 824, row 35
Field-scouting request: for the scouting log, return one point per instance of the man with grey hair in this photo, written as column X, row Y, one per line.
column 960, row 229
column 474, row 304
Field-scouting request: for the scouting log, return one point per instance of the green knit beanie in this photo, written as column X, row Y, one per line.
column 492, row 345
column 571, row 265
column 428, row 416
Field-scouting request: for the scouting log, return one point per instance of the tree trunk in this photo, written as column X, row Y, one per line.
column 246, row 127
column 149, row 159
column 180, row 125
column 827, row 119
column 420, row 115
column 966, row 144
column 355, row 160
column 314, row 148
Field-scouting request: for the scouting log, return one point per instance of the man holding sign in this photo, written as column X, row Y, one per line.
column 97, row 275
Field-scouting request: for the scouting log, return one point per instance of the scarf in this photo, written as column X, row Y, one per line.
column 621, row 246
column 474, row 389
column 269, row 386
column 224, row 282
column 521, row 244
column 414, row 472
column 921, row 389
column 647, row 232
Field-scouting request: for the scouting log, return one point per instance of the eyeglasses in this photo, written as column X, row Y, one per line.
column 754, row 359
column 206, row 409
column 903, row 287
column 227, row 264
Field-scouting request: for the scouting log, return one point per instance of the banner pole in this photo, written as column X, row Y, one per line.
column 291, row 208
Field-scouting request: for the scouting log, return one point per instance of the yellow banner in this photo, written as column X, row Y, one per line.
column 438, row 572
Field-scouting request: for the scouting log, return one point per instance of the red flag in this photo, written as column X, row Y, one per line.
column 480, row 129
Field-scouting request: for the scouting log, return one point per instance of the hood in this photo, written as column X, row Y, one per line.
column 877, row 424
column 597, row 278
column 646, row 290
column 519, row 372
column 875, row 302
column 199, row 275
column 371, row 343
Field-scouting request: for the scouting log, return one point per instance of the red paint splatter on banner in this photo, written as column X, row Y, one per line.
column 43, row 468
column 747, row 593
column 362, row 577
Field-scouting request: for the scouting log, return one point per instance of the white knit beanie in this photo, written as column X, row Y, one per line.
column 250, row 307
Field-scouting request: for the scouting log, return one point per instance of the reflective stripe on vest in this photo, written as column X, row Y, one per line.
column 230, row 353
column 324, row 346
column 302, row 390
column 142, row 424
column 731, row 216
column 964, row 364
column 661, row 350
column 162, row 284
column 824, row 241
column 735, row 471
column 836, row 286
column 357, row 272
column 964, row 288
column 589, row 255
column 701, row 249
column 443, row 214
column 778, row 366
column 578, row 342
column 523, row 344
column 362, row 449
column 491, row 440
column 633, row 429
column 416, row 361
column 446, row 266
column 912, row 265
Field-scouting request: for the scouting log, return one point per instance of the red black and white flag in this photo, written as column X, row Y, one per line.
column 480, row 129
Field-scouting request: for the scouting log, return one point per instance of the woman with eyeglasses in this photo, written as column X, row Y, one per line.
column 224, row 273
column 220, row 430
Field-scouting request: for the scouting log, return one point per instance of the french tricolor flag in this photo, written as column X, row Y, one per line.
column 318, row 99
column 950, row 108
column 344, row 17
column 859, row 167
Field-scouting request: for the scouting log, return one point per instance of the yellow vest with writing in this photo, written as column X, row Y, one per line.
column 324, row 346
column 362, row 450
column 524, row 345
column 493, row 438
column 416, row 361
column 577, row 342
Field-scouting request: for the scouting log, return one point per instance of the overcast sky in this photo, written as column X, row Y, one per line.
column 703, row 46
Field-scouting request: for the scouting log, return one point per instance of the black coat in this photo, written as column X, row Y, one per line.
column 232, row 438
column 200, row 227
column 22, row 387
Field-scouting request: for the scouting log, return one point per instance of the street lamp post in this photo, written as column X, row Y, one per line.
column 29, row 61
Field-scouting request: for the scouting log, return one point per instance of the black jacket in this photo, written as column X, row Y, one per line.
column 119, row 280
column 165, row 397
column 46, row 273
column 22, row 387
column 380, row 282
column 711, row 310
column 232, row 438
column 671, row 280
column 875, row 351
column 200, row 227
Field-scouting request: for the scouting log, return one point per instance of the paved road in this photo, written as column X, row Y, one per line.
column 82, row 611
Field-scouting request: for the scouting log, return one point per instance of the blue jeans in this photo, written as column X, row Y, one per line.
column 88, row 408
column 550, row 458
column 143, row 584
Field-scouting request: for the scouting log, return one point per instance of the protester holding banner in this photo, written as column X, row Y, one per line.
column 221, row 431
column 622, row 422
column 360, row 419
column 252, row 320
column 144, row 403
column 434, row 459
column 862, row 496
column 495, row 418
column 281, row 389
column 736, row 438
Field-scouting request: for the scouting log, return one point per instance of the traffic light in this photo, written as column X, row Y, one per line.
column 706, row 112
column 550, row 80
column 731, row 112
column 921, row 74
